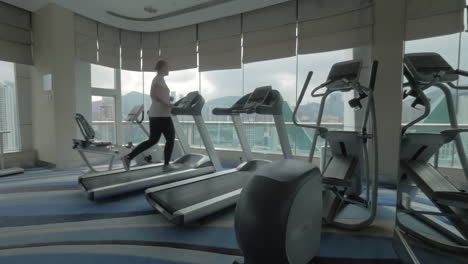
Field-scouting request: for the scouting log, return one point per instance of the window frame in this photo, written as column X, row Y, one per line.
column 16, row 130
column 116, row 94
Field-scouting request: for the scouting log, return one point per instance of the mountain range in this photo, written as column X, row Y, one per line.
column 307, row 112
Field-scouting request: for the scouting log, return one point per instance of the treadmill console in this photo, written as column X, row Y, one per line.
column 191, row 104
column 257, row 97
column 188, row 100
column 425, row 67
column 136, row 111
column 346, row 70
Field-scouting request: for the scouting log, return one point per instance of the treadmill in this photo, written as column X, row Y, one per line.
column 111, row 183
column 189, row 200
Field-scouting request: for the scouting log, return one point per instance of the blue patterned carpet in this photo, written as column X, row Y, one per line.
column 46, row 218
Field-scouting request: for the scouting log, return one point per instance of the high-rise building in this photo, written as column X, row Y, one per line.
column 8, row 116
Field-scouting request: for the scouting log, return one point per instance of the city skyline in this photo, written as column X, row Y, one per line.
column 8, row 116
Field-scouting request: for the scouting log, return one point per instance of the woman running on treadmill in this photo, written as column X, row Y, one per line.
column 159, row 117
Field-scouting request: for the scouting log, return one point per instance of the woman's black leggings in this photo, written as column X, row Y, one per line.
column 158, row 126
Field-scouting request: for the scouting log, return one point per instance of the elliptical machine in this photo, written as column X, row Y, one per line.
column 442, row 223
column 278, row 216
column 349, row 167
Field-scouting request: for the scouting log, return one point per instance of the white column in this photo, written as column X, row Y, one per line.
column 83, row 89
column 118, row 108
column 364, row 54
column 388, row 49
column 53, row 117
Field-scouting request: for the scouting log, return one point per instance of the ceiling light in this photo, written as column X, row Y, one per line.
column 150, row 9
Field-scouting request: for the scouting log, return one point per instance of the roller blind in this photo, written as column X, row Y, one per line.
column 109, row 46
column 219, row 45
column 430, row 18
column 150, row 50
column 130, row 42
column 15, row 34
column 270, row 33
column 326, row 25
column 179, row 47
column 86, row 39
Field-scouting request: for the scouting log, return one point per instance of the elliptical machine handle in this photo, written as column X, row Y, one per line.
column 301, row 97
column 298, row 104
column 461, row 72
column 375, row 67
column 314, row 92
column 424, row 101
column 139, row 121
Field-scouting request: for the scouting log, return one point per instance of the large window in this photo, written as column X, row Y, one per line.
column 102, row 77
column 280, row 74
column 8, row 107
column 180, row 83
column 103, row 111
column 335, row 109
column 132, row 95
column 103, row 118
column 221, row 89
column 452, row 48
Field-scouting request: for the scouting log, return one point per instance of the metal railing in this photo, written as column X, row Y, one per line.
column 262, row 137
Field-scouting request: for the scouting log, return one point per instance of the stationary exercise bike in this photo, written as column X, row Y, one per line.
column 89, row 144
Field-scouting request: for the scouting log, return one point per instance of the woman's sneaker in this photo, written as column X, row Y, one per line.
column 126, row 163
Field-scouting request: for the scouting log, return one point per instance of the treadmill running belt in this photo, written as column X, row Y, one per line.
column 184, row 196
column 113, row 179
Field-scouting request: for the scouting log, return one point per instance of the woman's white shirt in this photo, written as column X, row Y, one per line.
column 160, row 89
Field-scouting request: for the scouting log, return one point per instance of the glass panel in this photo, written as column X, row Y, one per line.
column 102, row 77
column 410, row 197
column 221, row 89
column 462, row 95
column 8, row 107
column 448, row 47
column 103, row 118
column 147, row 80
column 334, row 112
column 132, row 95
column 180, row 83
column 280, row 74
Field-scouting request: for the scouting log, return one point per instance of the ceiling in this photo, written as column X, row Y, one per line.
column 159, row 14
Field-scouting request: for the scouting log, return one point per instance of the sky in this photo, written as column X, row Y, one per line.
column 7, row 71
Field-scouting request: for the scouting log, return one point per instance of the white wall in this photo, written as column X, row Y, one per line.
column 53, row 119
column 83, row 89
column 43, row 110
